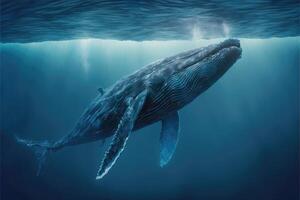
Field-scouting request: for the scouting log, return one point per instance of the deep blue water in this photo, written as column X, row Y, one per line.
column 31, row 20
column 238, row 140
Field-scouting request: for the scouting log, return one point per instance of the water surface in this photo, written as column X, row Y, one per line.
column 32, row 21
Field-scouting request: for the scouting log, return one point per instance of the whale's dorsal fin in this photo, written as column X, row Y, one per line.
column 121, row 135
column 101, row 90
column 168, row 137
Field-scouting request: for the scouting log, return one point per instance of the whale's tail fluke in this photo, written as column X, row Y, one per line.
column 41, row 150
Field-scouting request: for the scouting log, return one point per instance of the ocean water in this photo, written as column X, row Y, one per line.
column 238, row 140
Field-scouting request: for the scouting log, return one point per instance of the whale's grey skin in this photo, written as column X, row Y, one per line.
column 154, row 93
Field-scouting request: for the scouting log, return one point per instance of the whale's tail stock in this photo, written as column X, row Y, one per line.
column 41, row 150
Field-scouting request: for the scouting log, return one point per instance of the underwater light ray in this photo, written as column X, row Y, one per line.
column 84, row 51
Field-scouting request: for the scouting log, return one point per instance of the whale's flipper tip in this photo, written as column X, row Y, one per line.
column 162, row 163
column 98, row 177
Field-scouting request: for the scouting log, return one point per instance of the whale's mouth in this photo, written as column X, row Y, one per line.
column 231, row 49
column 229, row 45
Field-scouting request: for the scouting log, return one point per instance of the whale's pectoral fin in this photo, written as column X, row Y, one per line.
column 121, row 135
column 168, row 137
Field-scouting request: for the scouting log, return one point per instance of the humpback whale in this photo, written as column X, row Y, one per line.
column 151, row 94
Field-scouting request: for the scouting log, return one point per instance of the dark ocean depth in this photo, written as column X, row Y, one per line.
column 238, row 140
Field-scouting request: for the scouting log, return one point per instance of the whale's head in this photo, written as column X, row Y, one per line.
column 217, row 59
column 200, row 68
column 195, row 70
column 210, row 62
